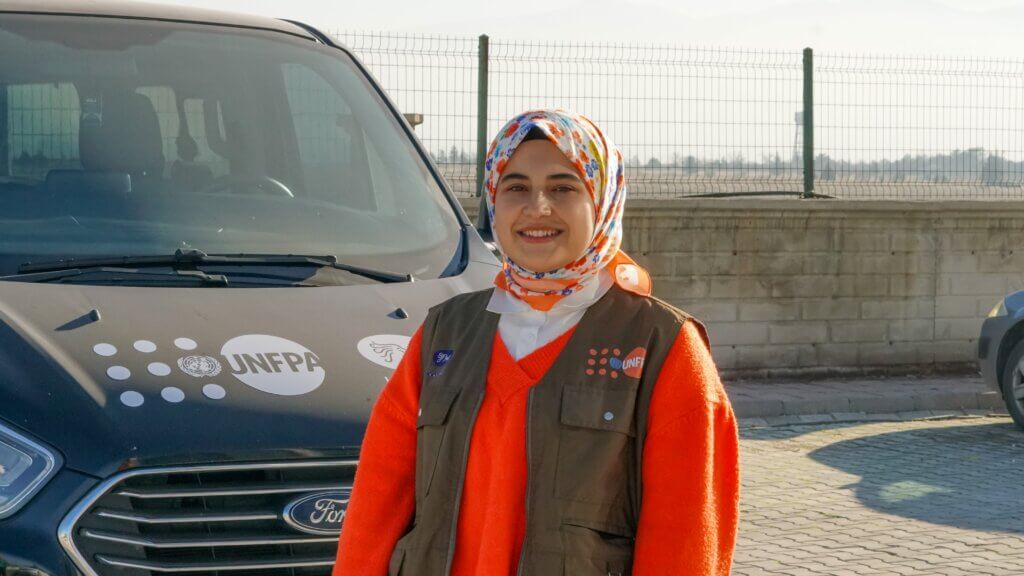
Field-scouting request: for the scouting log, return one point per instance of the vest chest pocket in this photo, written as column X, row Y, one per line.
column 595, row 447
column 431, row 427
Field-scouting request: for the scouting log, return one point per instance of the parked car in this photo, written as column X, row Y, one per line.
column 1001, row 353
column 216, row 237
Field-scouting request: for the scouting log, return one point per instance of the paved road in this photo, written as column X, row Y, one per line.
column 934, row 497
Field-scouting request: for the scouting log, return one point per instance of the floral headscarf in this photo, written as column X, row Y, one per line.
column 600, row 165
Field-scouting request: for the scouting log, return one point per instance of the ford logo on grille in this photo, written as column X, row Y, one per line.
column 320, row 513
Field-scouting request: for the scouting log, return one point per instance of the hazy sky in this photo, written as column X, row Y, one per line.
column 860, row 115
column 989, row 28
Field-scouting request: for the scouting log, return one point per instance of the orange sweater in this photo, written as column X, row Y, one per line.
column 690, row 470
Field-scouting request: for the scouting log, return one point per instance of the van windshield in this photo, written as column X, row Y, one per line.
column 124, row 137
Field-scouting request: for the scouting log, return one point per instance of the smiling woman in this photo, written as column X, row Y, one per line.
column 544, row 215
column 564, row 421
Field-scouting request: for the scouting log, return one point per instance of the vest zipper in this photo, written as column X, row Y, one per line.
column 458, row 492
column 529, row 446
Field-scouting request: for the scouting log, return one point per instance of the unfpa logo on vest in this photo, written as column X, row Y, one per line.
column 609, row 362
column 633, row 365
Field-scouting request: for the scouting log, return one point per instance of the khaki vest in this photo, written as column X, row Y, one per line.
column 586, row 420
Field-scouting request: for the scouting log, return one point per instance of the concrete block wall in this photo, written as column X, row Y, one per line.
column 791, row 287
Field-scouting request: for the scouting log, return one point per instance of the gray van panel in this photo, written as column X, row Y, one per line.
column 59, row 387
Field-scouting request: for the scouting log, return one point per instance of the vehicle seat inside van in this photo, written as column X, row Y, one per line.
column 121, row 147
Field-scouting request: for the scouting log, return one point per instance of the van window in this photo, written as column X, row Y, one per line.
column 43, row 129
column 325, row 133
column 137, row 138
column 184, row 143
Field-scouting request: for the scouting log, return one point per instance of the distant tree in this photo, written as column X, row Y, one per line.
column 34, row 164
column 964, row 166
column 825, row 167
column 995, row 167
column 691, row 164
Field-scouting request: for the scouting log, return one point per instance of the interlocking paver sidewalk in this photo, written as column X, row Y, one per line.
column 927, row 497
column 764, row 403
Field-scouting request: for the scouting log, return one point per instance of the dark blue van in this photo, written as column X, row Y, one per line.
column 216, row 238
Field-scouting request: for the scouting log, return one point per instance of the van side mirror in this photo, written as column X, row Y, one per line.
column 413, row 118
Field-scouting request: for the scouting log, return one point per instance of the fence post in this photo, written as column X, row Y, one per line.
column 481, row 111
column 808, row 123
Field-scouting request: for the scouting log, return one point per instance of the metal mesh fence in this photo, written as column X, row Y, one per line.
column 435, row 76
column 918, row 128
column 694, row 121
column 42, row 122
column 688, row 121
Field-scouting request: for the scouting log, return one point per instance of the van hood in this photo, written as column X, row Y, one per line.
column 119, row 377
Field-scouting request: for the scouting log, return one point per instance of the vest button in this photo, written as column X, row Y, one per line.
column 609, row 416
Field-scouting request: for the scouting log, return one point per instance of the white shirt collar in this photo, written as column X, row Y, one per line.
column 504, row 303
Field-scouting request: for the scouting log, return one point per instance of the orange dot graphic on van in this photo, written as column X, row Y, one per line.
column 633, row 365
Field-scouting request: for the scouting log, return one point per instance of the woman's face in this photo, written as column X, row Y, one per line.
column 542, row 213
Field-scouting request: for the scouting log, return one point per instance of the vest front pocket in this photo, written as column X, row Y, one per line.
column 595, row 448
column 589, row 551
column 431, row 427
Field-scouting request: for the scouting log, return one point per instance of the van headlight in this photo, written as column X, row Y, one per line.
column 25, row 467
column 998, row 309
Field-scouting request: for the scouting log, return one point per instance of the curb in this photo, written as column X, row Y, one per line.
column 862, row 417
column 869, row 405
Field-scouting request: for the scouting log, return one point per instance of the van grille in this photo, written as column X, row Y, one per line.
column 204, row 521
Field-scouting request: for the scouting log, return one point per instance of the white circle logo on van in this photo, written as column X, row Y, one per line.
column 273, row 365
column 197, row 366
column 384, row 349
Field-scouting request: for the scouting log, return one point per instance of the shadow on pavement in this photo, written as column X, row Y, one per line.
column 969, row 476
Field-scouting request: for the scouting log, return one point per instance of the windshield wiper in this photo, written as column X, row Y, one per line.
column 193, row 257
column 129, row 275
